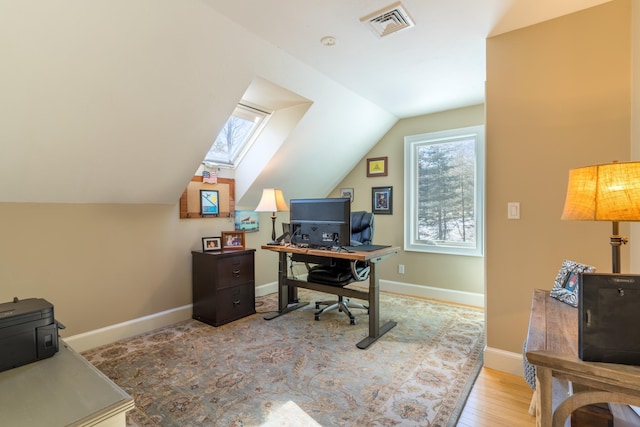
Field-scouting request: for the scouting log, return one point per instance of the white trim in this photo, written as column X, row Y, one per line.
column 266, row 289
column 505, row 361
column 421, row 291
column 109, row 334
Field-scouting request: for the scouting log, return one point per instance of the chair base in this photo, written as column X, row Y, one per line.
column 343, row 304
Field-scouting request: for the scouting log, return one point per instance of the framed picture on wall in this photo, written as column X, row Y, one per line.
column 377, row 166
column 209, row 202
column 382, row 200
column 347, row 193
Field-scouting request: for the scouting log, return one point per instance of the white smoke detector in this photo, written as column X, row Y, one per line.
column 389, row 20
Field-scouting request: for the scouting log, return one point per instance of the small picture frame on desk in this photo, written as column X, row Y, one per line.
column 232, row 240
column 211, row 244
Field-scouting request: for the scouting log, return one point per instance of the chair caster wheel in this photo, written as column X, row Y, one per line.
column 317, row 317
column 353, row 321
column 317, row 306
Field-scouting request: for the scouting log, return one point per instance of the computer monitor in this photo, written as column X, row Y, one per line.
column 320, row 223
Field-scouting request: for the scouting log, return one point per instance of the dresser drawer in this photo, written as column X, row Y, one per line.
column 234, row 271
column 236, row 302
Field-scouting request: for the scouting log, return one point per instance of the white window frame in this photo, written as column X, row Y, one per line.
column 411, row 145
column 246, row 112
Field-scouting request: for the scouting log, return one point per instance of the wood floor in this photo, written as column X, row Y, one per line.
column 498, row 399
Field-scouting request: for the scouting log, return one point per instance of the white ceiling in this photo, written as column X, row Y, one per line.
column 117, row 101
column 437, row 65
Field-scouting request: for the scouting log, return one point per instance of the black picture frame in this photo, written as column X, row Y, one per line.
column 209, row 203
column 211, row 244
column 382, row 200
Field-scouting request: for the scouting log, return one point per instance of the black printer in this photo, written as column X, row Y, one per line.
column 28, row 332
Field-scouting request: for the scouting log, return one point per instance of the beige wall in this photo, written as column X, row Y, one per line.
column 461, row 273
column 100, row 265
column 558, row 97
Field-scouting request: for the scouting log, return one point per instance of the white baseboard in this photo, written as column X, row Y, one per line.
column 505, row 361
column 266, row 289
column 107, row 335
column 448, row 295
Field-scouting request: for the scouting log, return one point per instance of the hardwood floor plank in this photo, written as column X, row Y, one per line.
column 498, row 399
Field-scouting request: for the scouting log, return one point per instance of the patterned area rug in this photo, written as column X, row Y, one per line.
column 295, row 371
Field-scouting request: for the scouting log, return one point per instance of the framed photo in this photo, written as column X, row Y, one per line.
column 211, row 244
column 347, row 193
column 565, row 287
column 382, row 200
column 233, row 239
column 209, row 202
column 377, row 166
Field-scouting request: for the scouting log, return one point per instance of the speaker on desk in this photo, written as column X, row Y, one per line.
column 609, row 310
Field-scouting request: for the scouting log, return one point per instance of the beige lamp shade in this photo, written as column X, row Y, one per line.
column 272, row 201
column 606, row 192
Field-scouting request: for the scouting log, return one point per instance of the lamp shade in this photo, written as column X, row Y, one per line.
column 272, row 201
column 606, row 192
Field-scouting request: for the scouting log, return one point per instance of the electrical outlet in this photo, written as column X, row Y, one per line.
column 401, row 268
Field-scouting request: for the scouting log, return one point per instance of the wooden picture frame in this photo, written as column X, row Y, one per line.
column 377, row 166
column 382, row 200
column 232, row 239
column 209, row 203
column 211, row 244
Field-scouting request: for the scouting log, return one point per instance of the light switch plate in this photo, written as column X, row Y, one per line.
column 513, row 210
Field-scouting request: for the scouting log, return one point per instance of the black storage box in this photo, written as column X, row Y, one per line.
column 609, row 310
column 28, row 332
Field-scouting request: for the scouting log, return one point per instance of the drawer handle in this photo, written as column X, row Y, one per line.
column 236, row 273
column 236, row 303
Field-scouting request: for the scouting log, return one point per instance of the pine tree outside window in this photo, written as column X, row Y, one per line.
column 444, row 181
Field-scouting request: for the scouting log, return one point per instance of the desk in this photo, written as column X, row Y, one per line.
column 552, row 345
column 288, row 294
column 62, row 390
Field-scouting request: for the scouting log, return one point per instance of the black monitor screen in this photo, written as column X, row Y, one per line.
column 320, row 222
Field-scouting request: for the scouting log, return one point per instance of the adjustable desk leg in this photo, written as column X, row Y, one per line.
column 286, row 294
column 375, row 330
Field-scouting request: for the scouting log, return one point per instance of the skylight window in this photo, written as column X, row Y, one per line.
column 238, row 133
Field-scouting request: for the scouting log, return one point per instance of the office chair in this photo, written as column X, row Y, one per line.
column 342, row 272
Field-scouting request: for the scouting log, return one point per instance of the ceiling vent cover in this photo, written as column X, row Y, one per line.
column 389, row 20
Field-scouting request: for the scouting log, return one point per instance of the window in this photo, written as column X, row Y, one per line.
column 444, row 181
column 236, row 136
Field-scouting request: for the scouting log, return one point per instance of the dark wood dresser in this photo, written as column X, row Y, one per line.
column 223, row 285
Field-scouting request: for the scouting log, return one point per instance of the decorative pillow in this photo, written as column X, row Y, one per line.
column 565, row 287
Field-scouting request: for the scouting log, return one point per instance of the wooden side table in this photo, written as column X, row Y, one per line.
column 552, row 345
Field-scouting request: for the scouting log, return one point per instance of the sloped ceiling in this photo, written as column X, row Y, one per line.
column 114, row 101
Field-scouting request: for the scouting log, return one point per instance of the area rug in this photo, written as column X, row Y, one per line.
column 295, row 371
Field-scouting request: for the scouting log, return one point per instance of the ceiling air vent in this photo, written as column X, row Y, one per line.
column 389, row 20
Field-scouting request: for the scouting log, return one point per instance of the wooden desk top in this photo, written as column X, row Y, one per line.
column 351, row 255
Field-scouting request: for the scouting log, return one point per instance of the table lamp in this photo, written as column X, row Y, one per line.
column 605, row 192
column 272, row 201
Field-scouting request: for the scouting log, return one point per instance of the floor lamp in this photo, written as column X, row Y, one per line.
column 606, row 192
column 272, row 201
